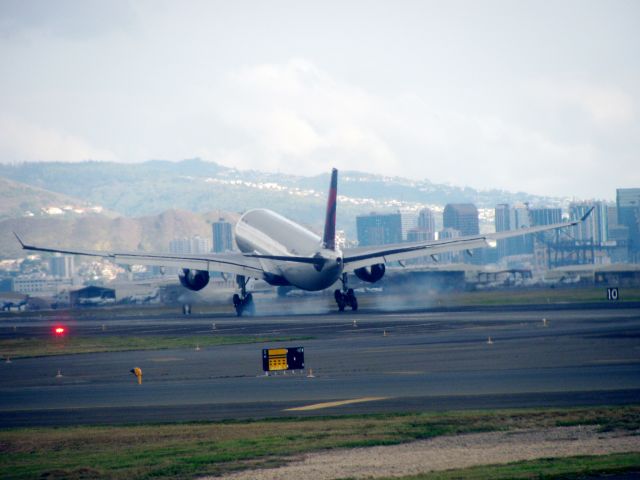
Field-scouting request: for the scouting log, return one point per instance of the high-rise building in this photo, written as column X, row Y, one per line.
column 628, row 203
column 419, row 235
column 408, row 221
column 502, row 221
column 543, row 242
column 462, row 217
column 612, row 215
column 61, row 266
column 594, row 229
column 379, row 229
column 446, row 234
column 425, row 229
column 545, row 216
column 222, row 236
column 195, row 244
column 180, row 245
column 200, row 244
column 426, row 220
column 513, row 218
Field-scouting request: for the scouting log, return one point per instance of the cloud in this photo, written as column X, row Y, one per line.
column 299, row 118
column 606, row 107
column 24, row 141
column 295, row 117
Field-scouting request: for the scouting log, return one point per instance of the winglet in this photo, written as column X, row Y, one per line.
column 586, row 215
column 19, row 240
column 329, row 237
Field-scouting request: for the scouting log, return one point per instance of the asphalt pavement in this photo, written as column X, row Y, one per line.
column 369, row 361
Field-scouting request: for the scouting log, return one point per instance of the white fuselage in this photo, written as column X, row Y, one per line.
column 264, row 232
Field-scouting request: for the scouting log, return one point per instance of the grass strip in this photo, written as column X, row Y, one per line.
column 38, row 347
column 193, row 449
column 545, row 468
column 536, row 296
column 500, row 296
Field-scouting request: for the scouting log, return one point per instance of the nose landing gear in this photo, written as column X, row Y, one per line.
column 243, row 302
column 346, row 296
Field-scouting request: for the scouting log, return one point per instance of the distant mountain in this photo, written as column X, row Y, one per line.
column 100, row 232
column 149, row 188
column 19, row 199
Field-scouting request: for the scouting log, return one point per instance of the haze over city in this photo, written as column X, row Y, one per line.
column 524, row 96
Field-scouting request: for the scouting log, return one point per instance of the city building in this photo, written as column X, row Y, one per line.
column 408, row 221
column 509, row 218
column 595, row 228
column 449, row 257
column 222, row 236
column 419, row 235
column 195, row 244
column 46, row 286
column 628, row 203
column 592, row 241
column 462, row 217
column 545, row 216
column 61, row 266
column 427, row 221
column 379, row 229
column 425, row 229
column 612, row 215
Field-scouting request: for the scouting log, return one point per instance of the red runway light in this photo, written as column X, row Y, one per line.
column 59, row 330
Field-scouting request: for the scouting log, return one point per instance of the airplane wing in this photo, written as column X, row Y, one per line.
column 232, row 262
column 359, row 257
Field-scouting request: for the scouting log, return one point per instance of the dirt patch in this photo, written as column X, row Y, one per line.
column 450, row 452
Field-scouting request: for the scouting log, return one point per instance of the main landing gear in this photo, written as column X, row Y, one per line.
column 346, row 296
column 243, row 302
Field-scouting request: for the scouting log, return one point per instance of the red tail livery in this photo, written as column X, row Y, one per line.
column 329, row 237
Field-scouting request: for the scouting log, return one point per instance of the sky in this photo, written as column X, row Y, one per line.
column 534, row 96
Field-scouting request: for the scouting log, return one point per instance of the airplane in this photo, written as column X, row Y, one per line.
column 9, row 305
column 284, row 253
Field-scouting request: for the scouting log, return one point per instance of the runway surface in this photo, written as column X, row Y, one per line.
column 428, row 360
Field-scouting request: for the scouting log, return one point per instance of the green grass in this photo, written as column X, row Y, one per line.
column 194, row 449
column 504, row 296
column 36, row 347
column 544, row 468
column 518, row 296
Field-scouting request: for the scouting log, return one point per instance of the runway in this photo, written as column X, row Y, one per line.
column 428, row 360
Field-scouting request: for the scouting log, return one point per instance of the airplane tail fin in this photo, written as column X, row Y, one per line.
column 329, row 237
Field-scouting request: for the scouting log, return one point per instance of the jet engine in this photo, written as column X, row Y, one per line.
column 194, row 279
column 370, row 274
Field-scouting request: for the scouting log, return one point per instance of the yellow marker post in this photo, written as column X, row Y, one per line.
column 137, row 371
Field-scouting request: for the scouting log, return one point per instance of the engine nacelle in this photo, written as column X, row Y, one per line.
column 194, row 279
column 370, row 274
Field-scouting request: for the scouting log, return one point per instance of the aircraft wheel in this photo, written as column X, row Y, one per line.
column 340, row 300
column 249, row 305
column 352, row 300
